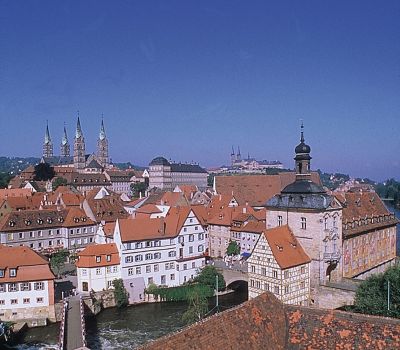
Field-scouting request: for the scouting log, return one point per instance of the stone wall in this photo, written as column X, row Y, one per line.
column 333, row 297
column 33, row 316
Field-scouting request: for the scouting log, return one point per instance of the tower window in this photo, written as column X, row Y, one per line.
column 303, row 223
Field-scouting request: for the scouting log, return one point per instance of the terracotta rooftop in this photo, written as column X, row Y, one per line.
column 30, row 265
column 287, row 251
column 15, row 192
column 98, row 255
column 140, row 229
column 265, row 323
column 256, row 189
column 366, row 210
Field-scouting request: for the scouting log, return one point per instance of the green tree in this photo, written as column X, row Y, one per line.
column 59, row 181
column 371, row 295
column 120, row 293
column 197, row 309
column 43, row 172
column 137, row 188
column 4, row 180
column 57, row 260
column 207, row 277
column 233, row 248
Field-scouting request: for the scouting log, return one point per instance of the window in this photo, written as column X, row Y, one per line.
column 286, row 289
column 193, row 265
column 150, row 280
column 31, row 234
column 275, row 274
column 138, row 270
column 148, row 244
column 14, row 301
column 39, row 300
column 276, row 289
column 157, row 255
column 13, row 287
column 157, row 243
column 1, row 273
column 172, row 253
column 264, row 271
column 252, row 283
column 39, row 286
column 129, row 259
column 191, row 238
column 196, row 228
column 172, row 276
column 26, row 300
column 184, row 229
column 109, row 284
column 98, row 271
column 50, row 243
column 185, row 266
column 84, row 272
column 138, row 245
column 200, row 248
column 13, row 272
column 286, row 274
column 253, row 269
column 149, row 256
column 181, row 239
column 163, row 279
column 201, row 236
column 138, row 257
column 190, row 250
column 115, row 269
column 2, row 287
column 266, row 286
column 130, row 271
column 303, row 223
column 148, row 269
column 302, row 285
column 21, row 235
column 155, row 268
column 25, row 286
column 303, row 269
column 280, row 220
column 50, row 233
column 10, row 236
column 326, row 223
column 2, row 302
column 108, row 269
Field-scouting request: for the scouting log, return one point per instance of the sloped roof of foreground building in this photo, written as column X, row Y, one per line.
column 265, row 323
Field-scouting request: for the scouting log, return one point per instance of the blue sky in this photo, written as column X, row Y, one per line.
column 189, row 79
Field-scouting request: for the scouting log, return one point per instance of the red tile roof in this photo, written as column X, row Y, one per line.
column 265, row 323
column 287, row 251
column 30, row 265
column 88, row 257
column 256, row 189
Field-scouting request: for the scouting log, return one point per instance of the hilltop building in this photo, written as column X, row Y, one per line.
column 166, row 176
column 239, row 164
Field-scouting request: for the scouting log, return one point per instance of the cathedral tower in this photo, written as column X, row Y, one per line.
column 65, row 148
column 47, row 145
column 79, row 147
column 102, row 146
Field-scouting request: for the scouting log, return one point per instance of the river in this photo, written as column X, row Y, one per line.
column 126, row 328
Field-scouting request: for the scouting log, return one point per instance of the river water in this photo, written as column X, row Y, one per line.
column 126, row 328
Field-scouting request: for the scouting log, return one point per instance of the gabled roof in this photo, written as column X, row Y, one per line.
column 30, row 265
column 140, row 229
column 174, row 199
column 256, row 189
column 287, row 251
column 15, row 192
column 87, row 257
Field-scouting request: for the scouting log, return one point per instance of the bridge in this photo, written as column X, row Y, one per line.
column 72, row 329
column 234, row 274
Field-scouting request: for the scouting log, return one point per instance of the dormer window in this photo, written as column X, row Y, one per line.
column 76, row 219
column 13, row 272
column 1, row 273
column 12, row 223
column 49, row 220
column 28, row 222
column 98, row 259
column 108, row 257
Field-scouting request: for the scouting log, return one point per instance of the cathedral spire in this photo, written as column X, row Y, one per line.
column 64, row 140
column 102, row 134
column 78, row 132
column 47, row 138
column 65, row 148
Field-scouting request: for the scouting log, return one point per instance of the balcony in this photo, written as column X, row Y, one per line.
column 331, row 257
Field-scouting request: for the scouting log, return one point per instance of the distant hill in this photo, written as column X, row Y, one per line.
column 14, row 165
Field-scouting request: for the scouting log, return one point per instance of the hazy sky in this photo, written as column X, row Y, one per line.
column 189, row 79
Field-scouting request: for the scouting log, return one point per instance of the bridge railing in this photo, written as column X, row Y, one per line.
column 83, row 328
column 61, row 340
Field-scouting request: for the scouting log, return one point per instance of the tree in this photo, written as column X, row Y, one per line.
column 197, row 309
column 372, row 294
column 137, row 188
column 120, row 293
column 233, row 248
column 4, row 180
column 59, row 181
column 57, row 260
column 43, row 172
column 207, row 277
